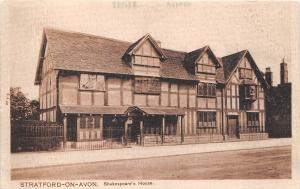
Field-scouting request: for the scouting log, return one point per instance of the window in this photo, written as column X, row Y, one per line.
column 146, row 61
column 171, row 125
column 206, row 119
column 152, row 126
column 245, row 73
column 211, row 69
column 253, row 119
column 92, row 82
column 82, row 122
column 207, row 89
column 97, row 121
column 89, row 122
column 147, row 85
column 248, row 92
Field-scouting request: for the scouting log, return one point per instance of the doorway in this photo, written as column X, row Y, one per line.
column 233, row 126
column 134, row 131
column 71, row 127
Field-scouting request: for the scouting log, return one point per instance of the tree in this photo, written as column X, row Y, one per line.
column 20, row 107
column 35, row 107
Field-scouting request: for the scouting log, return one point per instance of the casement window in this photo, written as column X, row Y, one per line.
column 253, row 119
column 97, row 122
column 146, row 61
column 82, row 122
column 207, row 89
column 206, row 119
column 170, row 125
column 205, row 65
column 152, row 126
column 248, row 92
column 89, row 122
column 206, row 69
column 245, row 73
column 144, row 85
column 92, row 82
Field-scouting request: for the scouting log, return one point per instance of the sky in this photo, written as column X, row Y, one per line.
column 264, row 28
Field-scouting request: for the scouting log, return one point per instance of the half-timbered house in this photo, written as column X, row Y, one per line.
column 101, row 88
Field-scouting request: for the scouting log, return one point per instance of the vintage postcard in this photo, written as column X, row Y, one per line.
column 149, row 94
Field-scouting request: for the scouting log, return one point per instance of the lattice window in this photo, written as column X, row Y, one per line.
column 206, row 119
column 146, row 85
column 253, row 119
column 207, row 89
column 92, row 82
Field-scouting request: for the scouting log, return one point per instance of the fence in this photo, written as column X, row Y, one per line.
column 110, row 138
column 35, row 135
column 28, row 136
column 206, row 135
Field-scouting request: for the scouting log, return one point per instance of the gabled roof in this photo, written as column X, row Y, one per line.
column 194, row 56
column 132, row 48
column 231, row 62
column 88, row 53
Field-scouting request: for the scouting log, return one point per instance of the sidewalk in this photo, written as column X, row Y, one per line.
column 40, row 159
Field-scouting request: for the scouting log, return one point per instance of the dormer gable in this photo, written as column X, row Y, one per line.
column 202, row 61
column 145, row 57
column 243, row 66
column 145, row 46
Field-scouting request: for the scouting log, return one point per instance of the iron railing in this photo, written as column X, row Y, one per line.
column 50, row 137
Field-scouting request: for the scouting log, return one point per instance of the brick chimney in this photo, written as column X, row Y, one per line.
column 269, row 76
column 283, row 73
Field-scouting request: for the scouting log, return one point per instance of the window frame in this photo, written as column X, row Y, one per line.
column 89, row 122
column 98, row 76
column 147, row 85
column 253, row 119
column 208, row 90
column 245, row 92
column 144, row 58
column 206, row 119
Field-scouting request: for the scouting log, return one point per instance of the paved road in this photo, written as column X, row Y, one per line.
column 264, row 163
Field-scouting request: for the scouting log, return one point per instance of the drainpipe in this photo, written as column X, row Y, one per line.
column 57, row 97
column 222, row 109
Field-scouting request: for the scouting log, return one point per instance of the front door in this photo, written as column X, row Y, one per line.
column 71, row 127
column 134, row 131
column 233, row 126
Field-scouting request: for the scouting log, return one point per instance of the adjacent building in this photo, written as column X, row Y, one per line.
column 141, row 93
column 279, row 104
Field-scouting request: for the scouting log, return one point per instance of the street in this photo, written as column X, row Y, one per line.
column 263, row 163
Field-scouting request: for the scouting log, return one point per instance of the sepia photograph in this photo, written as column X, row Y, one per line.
column 111, row 94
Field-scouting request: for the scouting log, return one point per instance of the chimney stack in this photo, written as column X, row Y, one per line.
column 269, row 76
column 283, row 73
